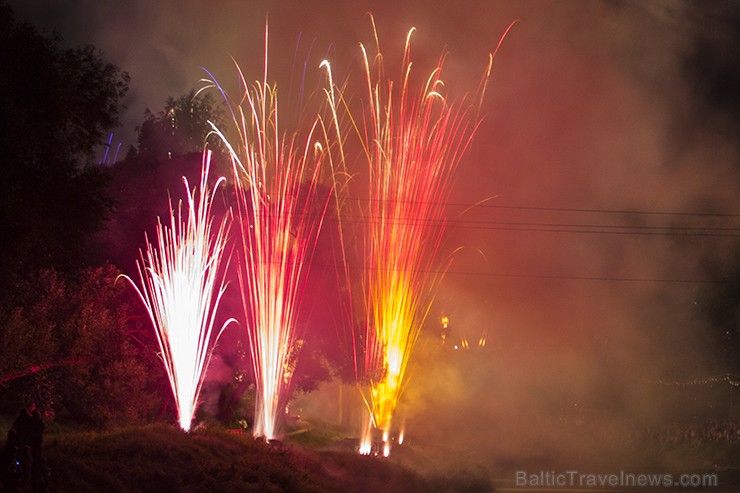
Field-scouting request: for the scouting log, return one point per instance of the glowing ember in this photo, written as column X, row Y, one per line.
column 366, row 447
column 181, row 292
column 280, row 207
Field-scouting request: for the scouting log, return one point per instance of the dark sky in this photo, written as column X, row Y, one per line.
column 608, row 136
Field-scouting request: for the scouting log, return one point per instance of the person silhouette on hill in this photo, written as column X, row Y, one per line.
column 27, row 430
column 35, row 433
column 22, row 424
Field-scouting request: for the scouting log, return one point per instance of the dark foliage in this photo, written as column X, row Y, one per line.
column 182, row 127
column 720, row 305
column 142, row 188
column 56, row 105
column 79, row 349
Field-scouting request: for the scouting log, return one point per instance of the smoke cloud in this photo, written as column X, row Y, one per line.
column 600, row 168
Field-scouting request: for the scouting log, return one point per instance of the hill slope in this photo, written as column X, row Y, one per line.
column 161, row 458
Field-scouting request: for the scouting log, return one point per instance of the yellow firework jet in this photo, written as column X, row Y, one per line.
column 413, row 139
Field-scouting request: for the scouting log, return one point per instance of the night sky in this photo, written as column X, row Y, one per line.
column 607, row 163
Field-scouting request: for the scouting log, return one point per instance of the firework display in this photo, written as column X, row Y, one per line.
column 413, row 140
column 181, row 287
column 410, row 138
column 280, row 206
column 288, row 246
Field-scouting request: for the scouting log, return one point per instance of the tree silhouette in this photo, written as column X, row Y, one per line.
column 180, row 128
column 56, row 106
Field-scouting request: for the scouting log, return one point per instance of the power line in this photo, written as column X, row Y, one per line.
column 483, row 204
column 608, row 229
column 561, row 209
column 561, row 227
column 590, row 278
column 592, row 229
column 554, row 277
column 556, row 227
column 600, row 211
column 613, row 230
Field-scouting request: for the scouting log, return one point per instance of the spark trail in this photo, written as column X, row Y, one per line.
column 181, row 287
column 281, row 202
column 413, row 140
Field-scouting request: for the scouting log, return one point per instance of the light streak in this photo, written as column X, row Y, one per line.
column 181, row 288
column 104, row 159
column 482, row 340
column 281, row 202
column 366, row 440
column 366, row 447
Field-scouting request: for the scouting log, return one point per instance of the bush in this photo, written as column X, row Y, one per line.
column 72, row 346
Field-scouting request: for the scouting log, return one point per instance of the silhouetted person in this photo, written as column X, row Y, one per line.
column 11, row 444
column 29, row 430
column 23, row 424
column 35, row 433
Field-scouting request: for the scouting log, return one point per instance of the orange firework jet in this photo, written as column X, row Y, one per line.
column 281, row 202
column 413, row 140
column 181, row 289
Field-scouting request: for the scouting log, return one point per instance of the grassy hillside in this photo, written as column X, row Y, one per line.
column 160, row 458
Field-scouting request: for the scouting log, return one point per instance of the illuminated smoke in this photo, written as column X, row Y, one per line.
column 181, row 287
